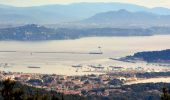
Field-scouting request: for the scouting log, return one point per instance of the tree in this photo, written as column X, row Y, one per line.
column 8, row 92
column 165, row 95
column 17, row 94
column 11, row 90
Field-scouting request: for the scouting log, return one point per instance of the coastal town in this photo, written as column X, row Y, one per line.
column 101, row 85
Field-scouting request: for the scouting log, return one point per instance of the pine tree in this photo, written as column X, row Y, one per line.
column 165, row 95
column 7, row 90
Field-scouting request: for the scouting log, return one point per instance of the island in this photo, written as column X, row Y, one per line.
column 162, row 56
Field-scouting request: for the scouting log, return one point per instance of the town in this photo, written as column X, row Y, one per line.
column 101, row 85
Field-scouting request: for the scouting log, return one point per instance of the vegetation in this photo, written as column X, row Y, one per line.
column 35, row 32
column 11, row 90
column 143, row 91
column 165, row 94
column 151, row 56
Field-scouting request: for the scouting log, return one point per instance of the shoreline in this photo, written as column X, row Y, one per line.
column 126, row 36
column 150, row 80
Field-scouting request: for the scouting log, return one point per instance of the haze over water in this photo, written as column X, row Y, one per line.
column 60, row 63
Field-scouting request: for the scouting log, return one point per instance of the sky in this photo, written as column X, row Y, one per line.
column 146, row 3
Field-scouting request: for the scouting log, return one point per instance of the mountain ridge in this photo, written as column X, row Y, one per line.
column 126, row 18
column 52, row 14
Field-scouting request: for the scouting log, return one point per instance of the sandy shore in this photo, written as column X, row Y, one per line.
column 150, row 80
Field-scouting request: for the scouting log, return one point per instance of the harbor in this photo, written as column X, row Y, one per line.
column 52, row 57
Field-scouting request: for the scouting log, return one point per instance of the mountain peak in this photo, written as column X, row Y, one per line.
column 122, row 11
column 124, row 18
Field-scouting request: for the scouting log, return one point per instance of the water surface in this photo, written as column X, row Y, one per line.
column 60, row 63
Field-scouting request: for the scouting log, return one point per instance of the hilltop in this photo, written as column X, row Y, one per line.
column 162, row 56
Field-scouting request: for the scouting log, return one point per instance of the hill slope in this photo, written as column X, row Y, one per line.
column 35, row 32
column 123, row 18
column 151, row 56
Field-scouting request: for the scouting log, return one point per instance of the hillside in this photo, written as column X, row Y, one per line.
column 151, row 56
column 124, row 18
column 27, row 32
column 35, row 32
column 14, row 90
column 18, row 91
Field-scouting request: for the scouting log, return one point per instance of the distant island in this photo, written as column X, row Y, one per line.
column 162, row 56
column 36, row 32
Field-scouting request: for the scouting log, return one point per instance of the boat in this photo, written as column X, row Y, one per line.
column 96, row 53
column 33, row 67
column 100, row 51
column 6, row 65
column 97, row 67
column 76, row 66
column 77, row 70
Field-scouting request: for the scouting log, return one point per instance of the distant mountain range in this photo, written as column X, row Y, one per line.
column 36, row 32
column 54, row 14
column 125, row 18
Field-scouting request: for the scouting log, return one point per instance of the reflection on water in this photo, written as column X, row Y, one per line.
column 60, row 63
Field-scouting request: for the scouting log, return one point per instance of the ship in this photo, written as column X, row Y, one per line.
column 96, row 53
column 33, row 67
column 97, row 67
column 77, row 66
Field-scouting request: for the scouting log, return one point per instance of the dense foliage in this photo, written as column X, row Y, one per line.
column 152, row 56
column 144, row 91
column 35, row 32
column 11, row 90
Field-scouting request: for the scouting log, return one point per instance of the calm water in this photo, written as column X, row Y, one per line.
column 61, row 63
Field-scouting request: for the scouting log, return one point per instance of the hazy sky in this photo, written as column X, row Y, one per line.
column 147, row 3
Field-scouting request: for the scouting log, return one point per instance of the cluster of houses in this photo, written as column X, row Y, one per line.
column 82, row 85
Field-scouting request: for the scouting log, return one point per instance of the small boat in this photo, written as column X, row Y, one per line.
column 97, row 67
column 76, row 66
column 33, row 67
column 96, row 53
column 6, row 65
column 77, row 70
column 99, row 53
